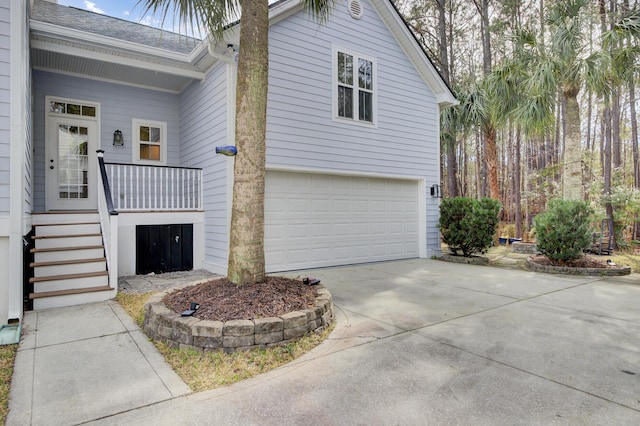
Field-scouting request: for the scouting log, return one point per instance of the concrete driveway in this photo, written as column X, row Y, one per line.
column 428, row 342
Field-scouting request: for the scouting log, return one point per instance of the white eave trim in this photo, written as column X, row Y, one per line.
column 69, row 34
column 413, row 50
column 106, row 57
column 284, row 10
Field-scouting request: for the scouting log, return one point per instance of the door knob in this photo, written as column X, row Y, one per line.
column 177, row 239
column 51, row 167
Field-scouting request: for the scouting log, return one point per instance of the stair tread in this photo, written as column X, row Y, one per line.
column 54, row 212
column 67, row 224
column 69, row 291
column 45, row 250
column 68, row 276
column 41, row 237
column 67, row 262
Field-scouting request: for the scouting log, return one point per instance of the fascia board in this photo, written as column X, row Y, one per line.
column 106, row 57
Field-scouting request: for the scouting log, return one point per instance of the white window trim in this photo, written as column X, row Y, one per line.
column 334, row 88
column 135, row 141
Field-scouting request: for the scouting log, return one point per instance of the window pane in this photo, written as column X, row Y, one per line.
column 154, row 152
column 73, row 109
column 144, row 133
column 365, row 74
column 365, row 105
column 154, row 134
column 150, row 152
column 345, row 68
column 89, row 111
column 345, row 102
column 57, row 107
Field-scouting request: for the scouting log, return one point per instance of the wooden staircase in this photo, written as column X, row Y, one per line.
column 70, row 267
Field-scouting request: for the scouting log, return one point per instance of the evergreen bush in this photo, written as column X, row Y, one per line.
column 562, row 232
column 468, row 225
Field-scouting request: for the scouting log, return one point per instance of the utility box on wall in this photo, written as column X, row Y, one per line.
column 164, row 248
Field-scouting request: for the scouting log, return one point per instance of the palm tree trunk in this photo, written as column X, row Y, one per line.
column 572, row 166
column 246, row 245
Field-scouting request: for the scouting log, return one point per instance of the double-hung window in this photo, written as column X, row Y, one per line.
column 149, row 142
column 354, row 86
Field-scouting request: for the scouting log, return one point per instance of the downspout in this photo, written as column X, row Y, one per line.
column 228, row 53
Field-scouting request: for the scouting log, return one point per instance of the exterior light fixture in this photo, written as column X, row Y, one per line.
column 435, row 191
column 228, row 150
column 118, row 140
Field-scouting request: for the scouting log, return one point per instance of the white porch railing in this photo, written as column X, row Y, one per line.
column 137, row 187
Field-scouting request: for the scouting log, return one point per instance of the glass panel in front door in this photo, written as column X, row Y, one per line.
column 73, row 162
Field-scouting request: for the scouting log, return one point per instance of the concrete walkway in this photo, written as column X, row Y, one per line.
column 417, row 342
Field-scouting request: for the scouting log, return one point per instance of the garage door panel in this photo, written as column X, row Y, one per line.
column 322, row 220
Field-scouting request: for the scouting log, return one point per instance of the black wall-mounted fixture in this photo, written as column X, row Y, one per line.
column 435, row 191
column 118, row 140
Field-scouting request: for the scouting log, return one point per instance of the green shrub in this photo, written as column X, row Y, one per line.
column 562, row 232
column 468, row 225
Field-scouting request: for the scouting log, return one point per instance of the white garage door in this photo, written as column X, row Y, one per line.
column 314, row 220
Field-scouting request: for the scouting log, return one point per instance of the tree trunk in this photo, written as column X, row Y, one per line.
column 452, row 170
column 517, row 186
column 572, row 166
column 246, row 244
column 616, row 145
column 492, row 161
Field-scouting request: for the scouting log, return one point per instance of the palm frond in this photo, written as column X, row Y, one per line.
column 210, row 15
column 320, row 9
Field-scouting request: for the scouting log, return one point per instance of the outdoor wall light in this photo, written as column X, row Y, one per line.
column 118, row 140
column 435, row 191
column 228, row 150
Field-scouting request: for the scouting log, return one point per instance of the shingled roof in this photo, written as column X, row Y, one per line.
column 95, row 23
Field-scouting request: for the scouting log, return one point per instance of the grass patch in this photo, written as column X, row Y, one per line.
column 628, row 259
column 209, row 370
column 133, row 304
column 7, row 358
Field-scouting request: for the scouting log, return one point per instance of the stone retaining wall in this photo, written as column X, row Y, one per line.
column 473, row 260
column 612, row 271
column 162, row 324
column 524, row 248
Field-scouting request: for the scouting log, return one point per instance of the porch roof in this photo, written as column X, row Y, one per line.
column 87, row 44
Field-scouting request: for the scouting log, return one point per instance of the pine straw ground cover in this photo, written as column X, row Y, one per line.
column 7, row 358
column 221, row 300
column 209, row 370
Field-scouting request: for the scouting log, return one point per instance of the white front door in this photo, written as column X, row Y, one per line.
column 70, row 164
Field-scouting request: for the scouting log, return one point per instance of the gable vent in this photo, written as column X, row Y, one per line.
column 355, row 9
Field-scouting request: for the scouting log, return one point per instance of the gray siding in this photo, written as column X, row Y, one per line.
column 118, row 105
column 5, row 85
column 203, row 126
column 300, row 128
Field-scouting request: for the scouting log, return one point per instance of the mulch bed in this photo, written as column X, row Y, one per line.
column 583, row 262
column 221, row 300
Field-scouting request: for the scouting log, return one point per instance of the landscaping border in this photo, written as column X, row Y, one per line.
column 473, row 260
column 164, row 325
column 611, row 271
